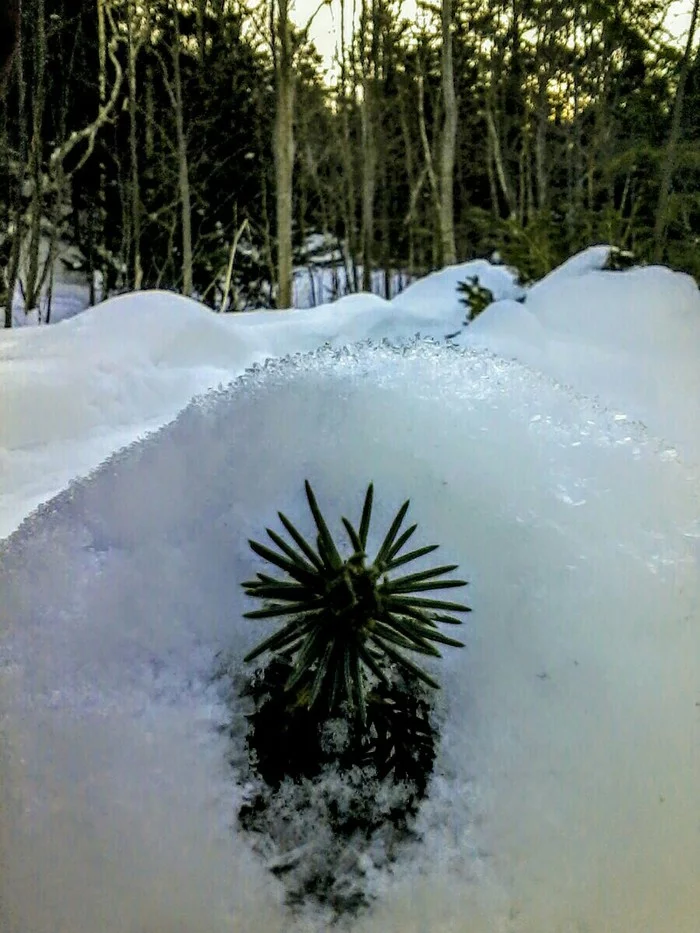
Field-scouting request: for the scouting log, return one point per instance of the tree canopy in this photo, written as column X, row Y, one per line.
column 147, row 136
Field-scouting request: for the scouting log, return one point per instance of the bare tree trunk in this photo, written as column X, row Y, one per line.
column 201, row 34
column 11, row 270
column 368, row 185
column 669, row 161
column 574, row 149
column 449, row 140
column 102, row 190
column 415, row 186
column 33, row 280
column 501, row 172
column 183, row 167
column 541, row 146
column 59, row 195
column 369, row 156
column 490, row 171
column 427, row 152
column 350, row 199
column 12, row 273
column 135, row 192
column 284, row 154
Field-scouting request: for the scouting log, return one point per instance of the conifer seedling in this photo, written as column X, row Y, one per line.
column 345, row 619
column 475, row 296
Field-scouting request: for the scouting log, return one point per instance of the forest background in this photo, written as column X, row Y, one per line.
column 206, row 146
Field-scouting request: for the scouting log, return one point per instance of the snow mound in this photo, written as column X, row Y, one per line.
column 588, row 260
column 113, row 365
column 72, row 393
column 630, row 338
column 440, row 288
column 567, row 779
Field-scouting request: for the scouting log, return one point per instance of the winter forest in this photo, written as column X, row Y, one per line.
column 207, row 148
column 349, row 466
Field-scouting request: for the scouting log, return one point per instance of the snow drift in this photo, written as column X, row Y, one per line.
column 630, row 338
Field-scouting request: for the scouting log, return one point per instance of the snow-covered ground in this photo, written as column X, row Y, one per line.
column 553, row 448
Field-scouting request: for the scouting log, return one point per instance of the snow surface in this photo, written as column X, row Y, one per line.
column 630, row 338
column 565, row 797
column 72, row 393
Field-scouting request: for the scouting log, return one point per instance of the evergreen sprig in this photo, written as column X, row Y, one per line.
column 345, row 617
column 475, row 296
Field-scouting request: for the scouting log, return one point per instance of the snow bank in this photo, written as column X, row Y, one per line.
column 73, row 393
column 441, row 287
column 566, row 784
column 631, row 339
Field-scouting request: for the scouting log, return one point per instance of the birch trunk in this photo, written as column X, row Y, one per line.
column 449, row 141
column 369, row 155
column 183, row 168
column 135, row 189
column 284, row 155
column 33, row 281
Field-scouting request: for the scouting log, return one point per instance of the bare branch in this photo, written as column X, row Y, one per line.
column 90, row 131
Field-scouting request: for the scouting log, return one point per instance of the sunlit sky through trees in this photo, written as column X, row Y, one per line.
column 325, row 28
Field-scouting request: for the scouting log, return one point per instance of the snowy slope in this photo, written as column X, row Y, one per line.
column 566, row 788
column 72, row 393
column 103, row 378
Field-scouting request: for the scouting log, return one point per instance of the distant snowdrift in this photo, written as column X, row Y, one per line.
column 441, row 288
column 72, row 393
column 631, row 339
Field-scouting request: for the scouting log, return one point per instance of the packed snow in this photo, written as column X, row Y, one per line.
column 552, row 447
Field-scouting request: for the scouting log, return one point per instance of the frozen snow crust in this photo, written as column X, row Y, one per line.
column 565, row 793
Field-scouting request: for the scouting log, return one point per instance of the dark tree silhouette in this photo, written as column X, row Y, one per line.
column 9, row 34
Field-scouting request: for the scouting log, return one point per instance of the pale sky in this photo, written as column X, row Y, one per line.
column 325, row 30
column 679, row 18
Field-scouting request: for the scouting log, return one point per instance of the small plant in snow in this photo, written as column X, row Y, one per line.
column 474, row 296
column 348, row 618
column 341, row 741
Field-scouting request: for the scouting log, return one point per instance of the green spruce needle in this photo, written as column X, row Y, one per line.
column 347, row 621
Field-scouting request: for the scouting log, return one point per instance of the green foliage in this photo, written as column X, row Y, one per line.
column 534, row 248
column 346, row 619
column 474, row 296
column 356, row 786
